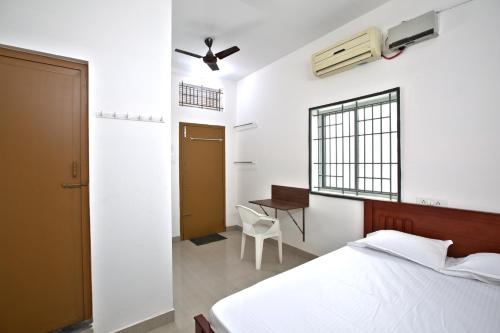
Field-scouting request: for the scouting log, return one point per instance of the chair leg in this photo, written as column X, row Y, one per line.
column 259, row 244
column 280, row 247
column 243, row 237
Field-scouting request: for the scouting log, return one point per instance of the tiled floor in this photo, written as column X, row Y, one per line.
column 207, row 273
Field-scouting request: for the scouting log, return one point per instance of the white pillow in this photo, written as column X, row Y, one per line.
column 424, row 251
column 479, row 266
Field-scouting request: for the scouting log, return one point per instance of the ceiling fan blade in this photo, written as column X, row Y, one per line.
column 227, row 52
column 188, row 53
column 213, row 66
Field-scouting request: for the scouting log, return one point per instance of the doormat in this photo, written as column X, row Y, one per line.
column 207, row 239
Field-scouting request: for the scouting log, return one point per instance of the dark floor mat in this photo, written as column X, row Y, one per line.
column 207, row 239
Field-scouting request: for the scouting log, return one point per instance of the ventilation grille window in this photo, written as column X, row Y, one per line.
column 200, row 97
column 354, row 147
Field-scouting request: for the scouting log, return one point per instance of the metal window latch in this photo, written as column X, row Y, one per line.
column 65, row 185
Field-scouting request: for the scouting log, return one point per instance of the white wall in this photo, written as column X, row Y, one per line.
column 226, row 118
column 450, row 138
column 127, row 44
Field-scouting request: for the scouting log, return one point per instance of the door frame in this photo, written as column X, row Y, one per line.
column 181, row 135
column 82, row 66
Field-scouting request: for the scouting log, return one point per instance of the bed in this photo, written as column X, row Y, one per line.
column 363, row 290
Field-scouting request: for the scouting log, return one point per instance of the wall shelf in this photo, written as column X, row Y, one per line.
column 244, row 162
column 245, row 126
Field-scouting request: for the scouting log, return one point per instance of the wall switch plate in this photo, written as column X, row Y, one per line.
column 431, row 202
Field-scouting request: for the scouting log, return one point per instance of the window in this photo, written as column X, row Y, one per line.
column 200, row 97
column 354, row 147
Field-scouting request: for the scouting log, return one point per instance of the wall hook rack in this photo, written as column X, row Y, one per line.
column 127, row 116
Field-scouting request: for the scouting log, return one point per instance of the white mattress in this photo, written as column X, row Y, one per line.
column 360, row 290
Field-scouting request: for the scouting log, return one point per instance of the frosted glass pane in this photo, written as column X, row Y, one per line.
column 361, row 114
column 353, row 176
column 386, row 149
column 377, row 149
column 386, row 186
column 377, row 186
column 376, row 111
column 368, row 171
column 385, row 110
column 394, row 117
column 327, row 151
column 339, row 151
column 394, row 139
column 377, row 126
column 346, row 126
column 361, row 150
column 368, row 150
column 394, row 170
column 351, row 121
column 347, row 149
column 361, row 184
column 369, row 126
column 386, row 171
column 339, row 130
column 368, row 185
column 368, row 113
column 377, row 171
column 386, row 125
column 333, row 150
column 347, row 175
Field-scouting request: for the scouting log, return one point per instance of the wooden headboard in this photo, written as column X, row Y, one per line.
column 470, row 231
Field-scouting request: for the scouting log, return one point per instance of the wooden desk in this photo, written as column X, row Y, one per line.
column 286, row 199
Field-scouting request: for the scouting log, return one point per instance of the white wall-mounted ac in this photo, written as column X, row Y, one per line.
column 359, row 49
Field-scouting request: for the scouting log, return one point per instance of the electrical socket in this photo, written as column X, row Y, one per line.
column 431, row 202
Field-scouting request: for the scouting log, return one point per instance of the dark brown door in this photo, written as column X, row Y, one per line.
column 44, row 218
column 202, row 180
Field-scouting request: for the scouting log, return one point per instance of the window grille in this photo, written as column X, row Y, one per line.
column 354, row 148
column 200, row 97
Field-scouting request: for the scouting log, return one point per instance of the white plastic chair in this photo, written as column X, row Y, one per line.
column 260, row 227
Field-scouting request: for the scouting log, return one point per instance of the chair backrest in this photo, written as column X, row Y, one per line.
column 248, row 215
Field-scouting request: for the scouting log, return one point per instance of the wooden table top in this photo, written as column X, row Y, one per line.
column 279, row 204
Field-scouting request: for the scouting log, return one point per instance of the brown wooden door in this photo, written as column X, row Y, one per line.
column 44, row 228
column 202, row 179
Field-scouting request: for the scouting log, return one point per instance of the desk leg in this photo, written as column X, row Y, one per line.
column 275, row 213
column 263, row 210
column 302, row 230
column 303, row 224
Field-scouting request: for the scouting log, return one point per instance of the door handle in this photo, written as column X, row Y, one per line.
column 73, row 185
column 187, row 214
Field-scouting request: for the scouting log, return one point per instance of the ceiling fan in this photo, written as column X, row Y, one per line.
column 210, row 58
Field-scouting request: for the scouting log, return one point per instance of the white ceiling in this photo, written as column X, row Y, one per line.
column 264, row 30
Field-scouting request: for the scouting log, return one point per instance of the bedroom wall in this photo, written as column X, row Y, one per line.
column 450, row 140
column 127, row 45
column 226, row 118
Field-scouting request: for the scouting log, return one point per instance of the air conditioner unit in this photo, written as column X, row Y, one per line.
column 359, row 49
column 413, row 31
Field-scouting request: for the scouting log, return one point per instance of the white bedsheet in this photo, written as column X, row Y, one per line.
column 360, row 290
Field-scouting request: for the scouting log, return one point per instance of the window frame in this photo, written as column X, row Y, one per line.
column 363, row 196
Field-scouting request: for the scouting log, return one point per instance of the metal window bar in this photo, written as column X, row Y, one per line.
column 334, row 130
column 200, row 97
